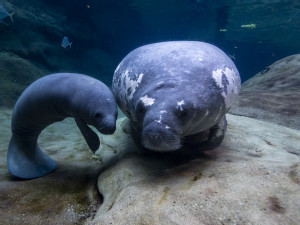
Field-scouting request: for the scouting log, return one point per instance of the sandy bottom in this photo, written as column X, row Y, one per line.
column 67, row 196
column 253, row 177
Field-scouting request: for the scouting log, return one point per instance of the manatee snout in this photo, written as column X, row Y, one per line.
column 106, row 125
column 159, row 137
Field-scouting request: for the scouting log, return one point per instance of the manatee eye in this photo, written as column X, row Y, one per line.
column 140, row 110
column 159, row 86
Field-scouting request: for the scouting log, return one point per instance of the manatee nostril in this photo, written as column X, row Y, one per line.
column 152, row 139
column 160, row 142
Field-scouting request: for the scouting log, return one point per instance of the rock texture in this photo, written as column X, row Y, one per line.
column 30, row 48
column 273, row 94
column 252, row 178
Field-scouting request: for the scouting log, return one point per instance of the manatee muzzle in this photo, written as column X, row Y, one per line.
column 160, row 137
column 106, row 126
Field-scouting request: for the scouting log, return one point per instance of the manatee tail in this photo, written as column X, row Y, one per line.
column 26, row 160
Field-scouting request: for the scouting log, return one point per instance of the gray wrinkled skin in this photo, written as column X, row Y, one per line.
column 176, row 92
column 51, row 99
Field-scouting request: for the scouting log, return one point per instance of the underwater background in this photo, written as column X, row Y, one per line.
column 253, row 177
column 253, row 33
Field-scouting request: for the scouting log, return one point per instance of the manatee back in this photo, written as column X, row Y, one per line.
column 57, row 96
column 197, row 68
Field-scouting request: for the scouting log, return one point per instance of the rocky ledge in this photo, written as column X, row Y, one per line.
column 273, row 94
column 252, row 178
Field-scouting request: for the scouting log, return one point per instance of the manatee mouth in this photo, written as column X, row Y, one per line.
column 107, row 130
column 156, row 137
column 106, row 126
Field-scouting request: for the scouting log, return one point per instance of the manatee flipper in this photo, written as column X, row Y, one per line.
column 215, row 137
column 89, row 135
column 26, row 160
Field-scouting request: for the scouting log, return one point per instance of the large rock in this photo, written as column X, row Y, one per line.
column 252, row 178
column 273, row 94
column 16, row 74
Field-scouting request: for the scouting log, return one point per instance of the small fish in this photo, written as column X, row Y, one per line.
column 251, row 26
column 223, row 30
column 232, row 56
column 4, row 14
column 66, row 43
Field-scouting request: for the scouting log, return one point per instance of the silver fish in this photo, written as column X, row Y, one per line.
column 66, row 43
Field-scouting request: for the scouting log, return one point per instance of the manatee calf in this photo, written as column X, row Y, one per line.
column 50, row 99
column 176, row 92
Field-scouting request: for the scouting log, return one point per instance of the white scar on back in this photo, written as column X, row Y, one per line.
column 231, row 77
column 147, row 101
column 179, row 105
column 132, row 84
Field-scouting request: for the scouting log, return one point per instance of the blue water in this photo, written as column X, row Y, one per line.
column 103, row 32
column 122, row 25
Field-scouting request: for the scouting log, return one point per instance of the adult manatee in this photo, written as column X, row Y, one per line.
column 176, row 92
